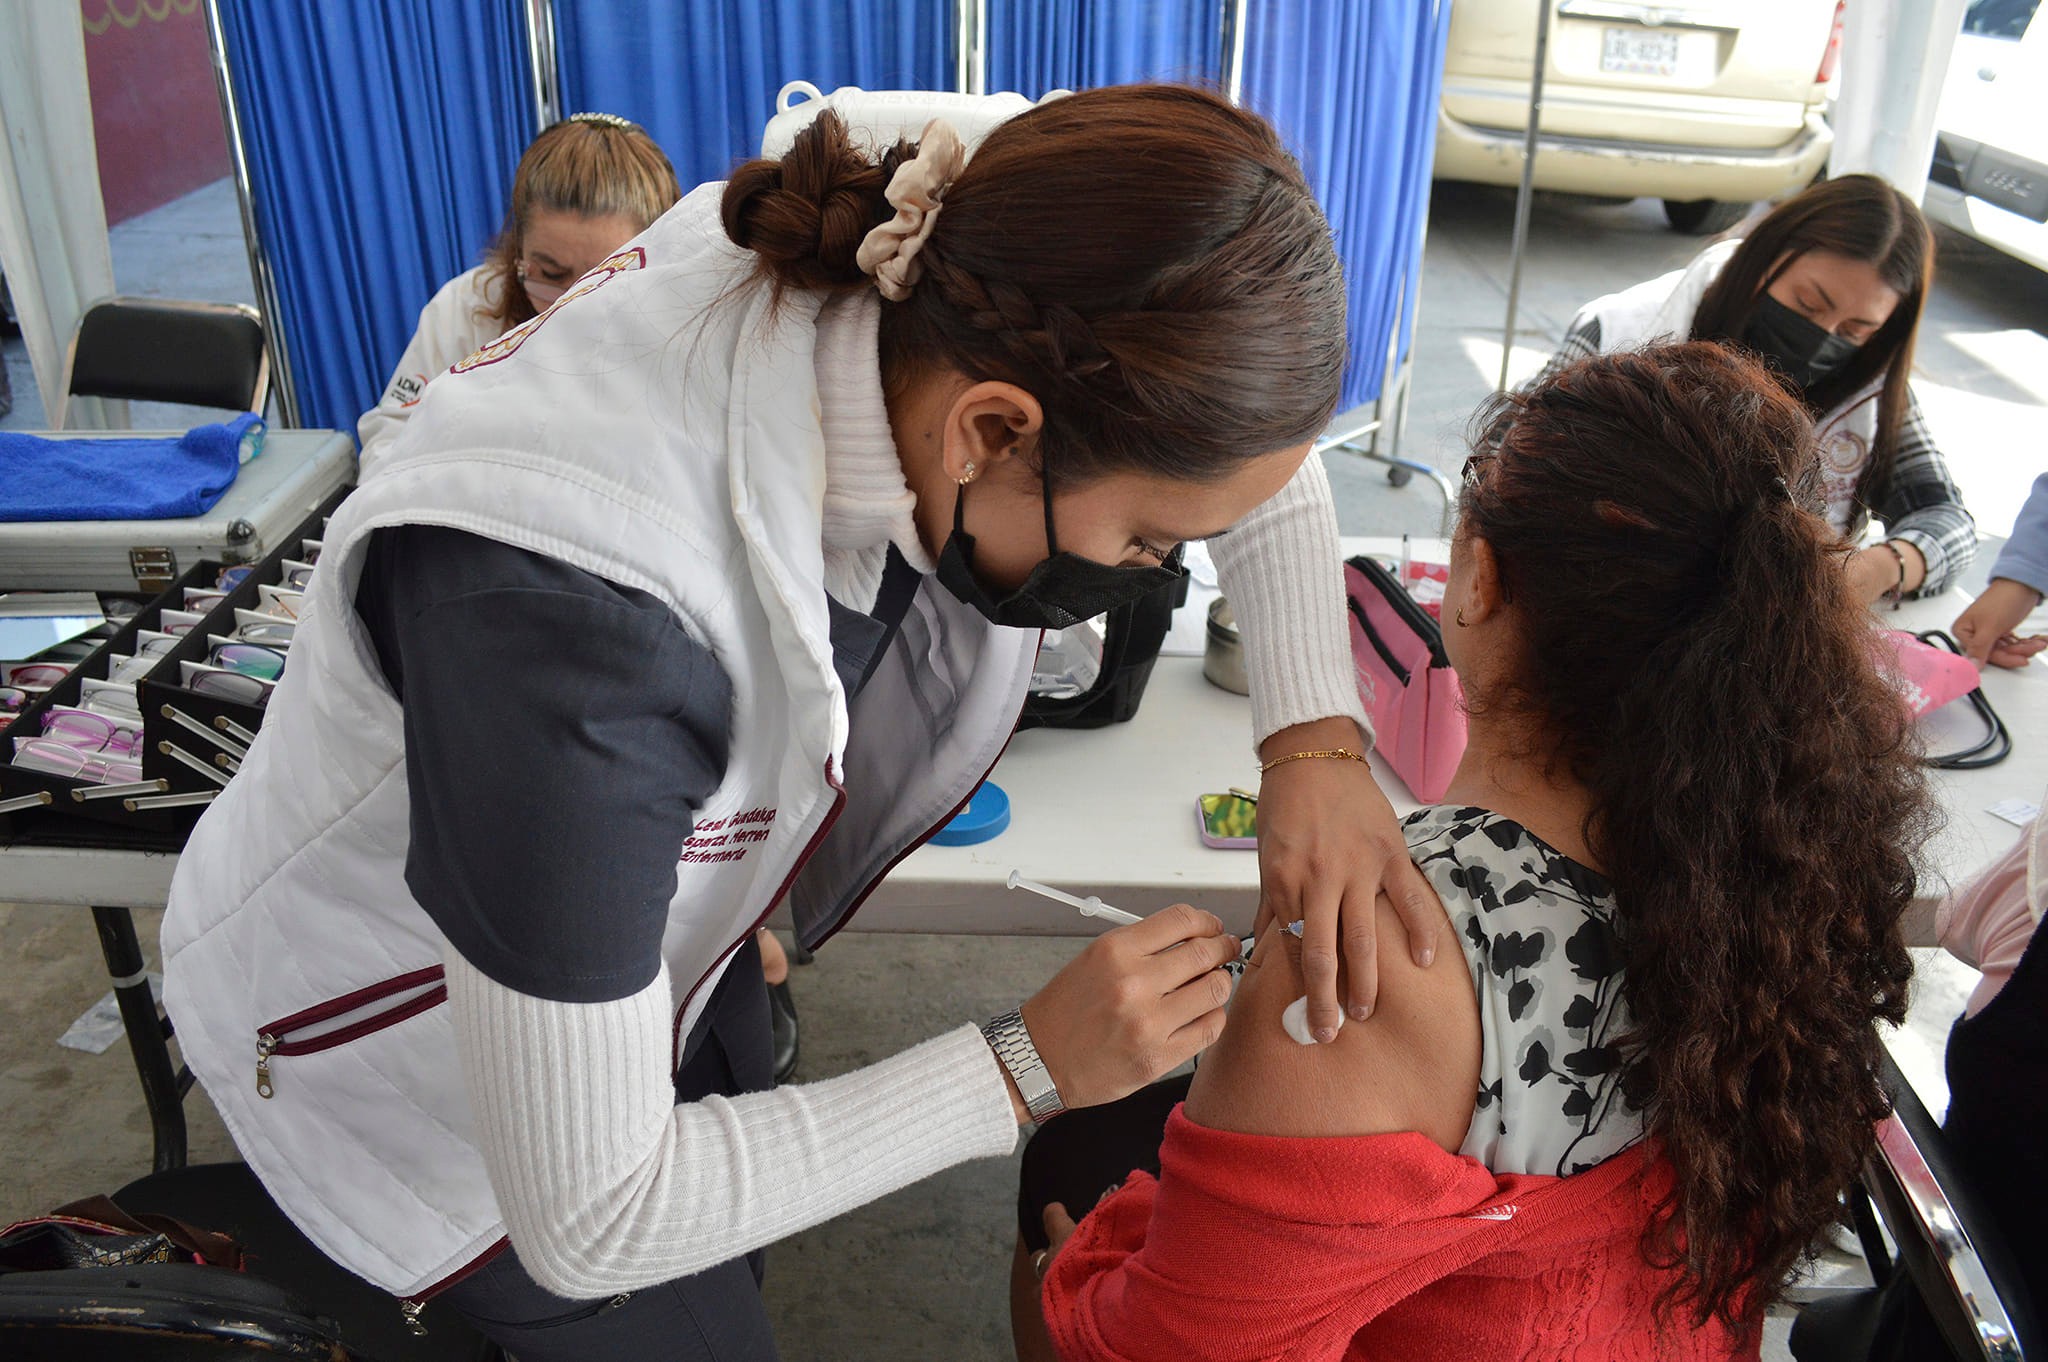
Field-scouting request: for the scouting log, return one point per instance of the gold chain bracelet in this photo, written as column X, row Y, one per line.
column 1344, row 752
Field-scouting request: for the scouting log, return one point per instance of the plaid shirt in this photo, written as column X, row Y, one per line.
column 1924, row 507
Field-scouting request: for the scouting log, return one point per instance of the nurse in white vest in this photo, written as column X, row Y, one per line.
column 583, row 188
column 1828, row 288
column 716, row 586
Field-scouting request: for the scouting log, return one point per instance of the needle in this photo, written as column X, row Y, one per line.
column 1089, row 907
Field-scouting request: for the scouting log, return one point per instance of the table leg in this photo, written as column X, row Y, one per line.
column 162, row 1091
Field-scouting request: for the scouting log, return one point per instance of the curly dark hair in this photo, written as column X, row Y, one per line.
column 1695, row 658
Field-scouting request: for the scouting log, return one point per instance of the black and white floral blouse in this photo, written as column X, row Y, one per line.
column 1538, row 931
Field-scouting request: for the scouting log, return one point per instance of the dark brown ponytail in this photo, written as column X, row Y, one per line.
column 1146, row 260
column 1694, row 656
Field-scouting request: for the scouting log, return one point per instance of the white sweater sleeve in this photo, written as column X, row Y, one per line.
column 606, row 1185
column 1283, row 573
column 450, row 329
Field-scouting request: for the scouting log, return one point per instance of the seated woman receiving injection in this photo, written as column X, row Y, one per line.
column 1675, row 857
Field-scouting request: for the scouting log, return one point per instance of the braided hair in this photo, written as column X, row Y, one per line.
column 1146, row 260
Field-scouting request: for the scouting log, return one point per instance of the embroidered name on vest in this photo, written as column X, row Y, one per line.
column 727, row 839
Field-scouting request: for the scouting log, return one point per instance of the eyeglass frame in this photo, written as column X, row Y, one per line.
column 214, row 651
column 72, row 714
column 82, row 756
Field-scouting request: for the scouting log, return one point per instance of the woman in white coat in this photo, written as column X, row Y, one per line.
column 585, row 187
column 717, row 586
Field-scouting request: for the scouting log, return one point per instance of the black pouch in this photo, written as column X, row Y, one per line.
column 1130, row 645
column 95, row 1232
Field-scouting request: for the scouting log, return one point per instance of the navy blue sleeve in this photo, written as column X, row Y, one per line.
column 561, row 732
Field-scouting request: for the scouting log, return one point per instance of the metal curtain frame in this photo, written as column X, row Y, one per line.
column 252, row 221
column 1527, row 190
column 543, row 71
column 970, row 47
column 1235, row 16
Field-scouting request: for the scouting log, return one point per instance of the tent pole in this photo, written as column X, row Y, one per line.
column 970, row 47
column 263, row 275
column 1522, row 196
column 543, row 74
column 1234, row 15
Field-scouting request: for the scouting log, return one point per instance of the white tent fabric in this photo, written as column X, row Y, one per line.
column 53, row 223
column 1894, row 56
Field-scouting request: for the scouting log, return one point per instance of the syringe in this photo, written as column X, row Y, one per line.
column 1089, row 907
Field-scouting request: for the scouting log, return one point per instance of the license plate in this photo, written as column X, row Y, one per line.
column 1635, row 52
column 2016, row 185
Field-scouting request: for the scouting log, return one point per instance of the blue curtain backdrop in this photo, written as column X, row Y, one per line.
column 1351, row 84
column 381, row 137
column 1040, row 45
column 701, row 75
column 382, row 134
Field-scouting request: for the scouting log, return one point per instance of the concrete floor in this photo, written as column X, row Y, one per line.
column 922, row 1274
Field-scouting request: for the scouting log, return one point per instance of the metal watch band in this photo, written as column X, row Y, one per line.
column 1007, row 1036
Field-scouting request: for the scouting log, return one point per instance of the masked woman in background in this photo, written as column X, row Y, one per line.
column 1828, row 290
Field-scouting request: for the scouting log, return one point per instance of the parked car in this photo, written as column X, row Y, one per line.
column 1990, row 172
column 1708, row 105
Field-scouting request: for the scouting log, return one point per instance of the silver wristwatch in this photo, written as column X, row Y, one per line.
column 1012, row 1043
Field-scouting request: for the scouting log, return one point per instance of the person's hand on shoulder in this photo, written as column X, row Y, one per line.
column 1329, row 846
column 1985, row 628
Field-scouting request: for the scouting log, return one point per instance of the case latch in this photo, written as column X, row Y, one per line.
column 154, row 569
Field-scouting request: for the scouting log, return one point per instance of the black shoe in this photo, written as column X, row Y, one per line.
column 782, row 1023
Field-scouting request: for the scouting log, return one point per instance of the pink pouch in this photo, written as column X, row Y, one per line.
column 1409, row 689
column 1927, row 677
column 1929, row 671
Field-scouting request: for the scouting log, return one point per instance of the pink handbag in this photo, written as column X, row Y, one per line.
column 1928, row 670
column 1927, row 677
column 1409, row 689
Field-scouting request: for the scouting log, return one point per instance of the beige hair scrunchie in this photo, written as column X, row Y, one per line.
column 889, row 252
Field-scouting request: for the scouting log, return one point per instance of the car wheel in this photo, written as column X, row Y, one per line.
column 1703, row 217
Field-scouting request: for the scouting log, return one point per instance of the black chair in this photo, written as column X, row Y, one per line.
column 1971, row 1302
column 157, row 1312
column 158, row 350
column 289, row 1300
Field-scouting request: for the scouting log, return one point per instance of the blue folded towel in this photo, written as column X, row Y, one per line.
column 120, row 478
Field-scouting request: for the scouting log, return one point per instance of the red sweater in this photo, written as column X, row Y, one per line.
column 1374, row 1247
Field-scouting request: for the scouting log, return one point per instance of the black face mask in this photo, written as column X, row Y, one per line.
column 1794, row 346
column 1060, row 592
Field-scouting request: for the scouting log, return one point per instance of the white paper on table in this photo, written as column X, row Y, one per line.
column 2018, row 812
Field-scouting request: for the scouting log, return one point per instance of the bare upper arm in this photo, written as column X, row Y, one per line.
column 1413, row 1065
